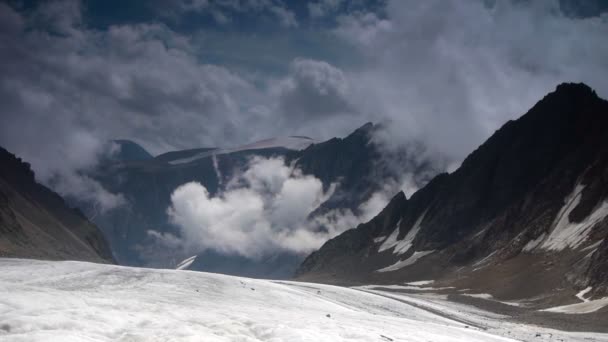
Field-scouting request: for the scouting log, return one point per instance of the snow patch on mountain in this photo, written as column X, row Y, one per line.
column 581, row 295
column 566, row 234
column 291, row 143
column 391, row 240
column 407, row 262
column 581, row 308
column 402, row 246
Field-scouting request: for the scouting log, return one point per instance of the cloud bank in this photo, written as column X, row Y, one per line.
column 443, row 74
column 269, row 207
column 262, row 210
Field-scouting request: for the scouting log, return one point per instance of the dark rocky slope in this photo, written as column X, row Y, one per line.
column 36, row 222
column 524, row 216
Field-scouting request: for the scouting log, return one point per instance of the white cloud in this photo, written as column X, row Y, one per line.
column 263, row 210
column 68, row 89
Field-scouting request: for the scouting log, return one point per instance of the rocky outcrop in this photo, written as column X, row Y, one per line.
column 36, row 223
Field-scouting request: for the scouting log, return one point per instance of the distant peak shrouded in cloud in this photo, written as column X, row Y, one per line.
column 191, row 74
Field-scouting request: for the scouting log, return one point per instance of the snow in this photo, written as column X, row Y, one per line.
column 479, row 295
column 379, row 239
column 421, row 282
column 581, row 295
column 391, row 240
column 185, row 263
column 403, row 287
column 532, row 244
column 566, row 234
column 290, row 143
column 77, row 301
column 490, row 322
column 581, row 308
column 402, row 246
column 586, row 306
column 482, row 261
column 407, row 262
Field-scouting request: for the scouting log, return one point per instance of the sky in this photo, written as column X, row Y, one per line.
column 200, row 73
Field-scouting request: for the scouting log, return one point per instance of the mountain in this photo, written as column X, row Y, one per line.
column 355, row 163
column 523, row 218
column 127, row 150
column 36, row 223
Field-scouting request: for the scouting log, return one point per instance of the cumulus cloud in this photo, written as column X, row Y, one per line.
column 445, row 74
column 266, row 208
column 449, row 73
column 66, row 90
column 314, row 89
column 262, row 210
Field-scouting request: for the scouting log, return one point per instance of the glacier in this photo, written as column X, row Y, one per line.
column 79, row 301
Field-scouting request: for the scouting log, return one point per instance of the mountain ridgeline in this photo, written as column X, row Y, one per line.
column 35, row 222
column 525, row 216
column 355, row 163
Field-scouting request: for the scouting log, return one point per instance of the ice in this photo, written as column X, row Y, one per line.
column 407, row 262
column 77, row 301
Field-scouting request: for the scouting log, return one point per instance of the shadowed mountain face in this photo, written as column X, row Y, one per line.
column 355, row 163
column 36, row 222
column 527, row 207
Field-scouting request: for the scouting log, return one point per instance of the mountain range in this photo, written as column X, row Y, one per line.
column 523, row 220
column 355, row 164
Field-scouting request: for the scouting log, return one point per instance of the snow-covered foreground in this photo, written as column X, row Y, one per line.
column 76, row 301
